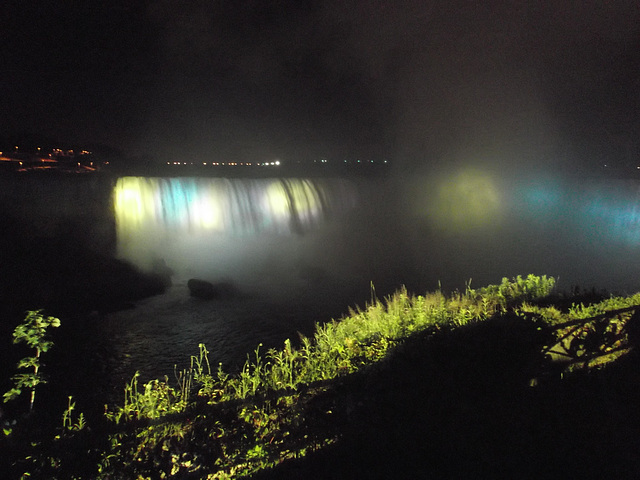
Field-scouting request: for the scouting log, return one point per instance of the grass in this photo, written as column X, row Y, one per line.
column 417, row 380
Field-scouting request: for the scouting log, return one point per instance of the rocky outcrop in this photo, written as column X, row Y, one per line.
column 201, row 289
column 207, row 290
column 160, row 268
column 60, row 271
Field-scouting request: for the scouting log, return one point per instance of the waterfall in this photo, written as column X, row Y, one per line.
column 195, row 221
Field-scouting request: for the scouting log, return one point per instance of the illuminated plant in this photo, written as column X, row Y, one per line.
column 67, row 418
column 156, row 399
column 31, row 331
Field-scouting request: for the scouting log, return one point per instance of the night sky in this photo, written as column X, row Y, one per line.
column 421, row 83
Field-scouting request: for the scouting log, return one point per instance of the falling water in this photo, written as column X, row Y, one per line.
column 231, row 228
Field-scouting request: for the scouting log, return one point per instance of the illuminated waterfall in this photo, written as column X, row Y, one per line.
column 197, row 218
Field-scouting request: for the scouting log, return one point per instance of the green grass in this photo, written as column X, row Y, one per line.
column 284, row 404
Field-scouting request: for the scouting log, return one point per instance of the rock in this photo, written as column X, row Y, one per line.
column 201, row 289
column 160, row 268
column 226, row 289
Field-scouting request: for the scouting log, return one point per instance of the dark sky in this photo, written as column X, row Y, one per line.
column 420, row 82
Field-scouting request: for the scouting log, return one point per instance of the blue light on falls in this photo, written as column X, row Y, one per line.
column 204, row 225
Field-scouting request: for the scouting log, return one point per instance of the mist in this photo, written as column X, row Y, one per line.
column 479, row 225
column 338, row 237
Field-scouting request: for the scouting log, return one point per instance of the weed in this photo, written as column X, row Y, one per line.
column 262, row 415
column 33, row 332
column 155, row 400
column 67, row 418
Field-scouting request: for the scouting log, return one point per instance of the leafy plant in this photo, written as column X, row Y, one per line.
column 33, row 332
column 67, row 418
column 279, row 405
column 157, row 399
column 251, row 376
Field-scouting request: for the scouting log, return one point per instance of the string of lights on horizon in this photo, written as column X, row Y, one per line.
column 275, row 163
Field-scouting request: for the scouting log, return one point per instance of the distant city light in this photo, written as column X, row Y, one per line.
column 269, row 163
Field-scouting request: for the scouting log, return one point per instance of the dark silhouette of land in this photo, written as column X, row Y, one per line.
column 460, row 405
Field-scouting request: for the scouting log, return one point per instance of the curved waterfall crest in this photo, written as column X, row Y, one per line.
column 154, row 213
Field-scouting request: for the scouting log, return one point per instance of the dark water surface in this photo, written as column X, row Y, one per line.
column 165, row 330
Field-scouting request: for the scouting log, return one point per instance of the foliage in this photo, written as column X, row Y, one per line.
column 33, row 332
column 67, row 418
column 586, row 335
column 156, row 399
column 268, row 403
column 282, row 403
column 518, row 290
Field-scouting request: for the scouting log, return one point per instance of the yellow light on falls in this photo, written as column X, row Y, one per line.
column 206, row 210
column 285, row 197
column 466, row 201
column 133, row 201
